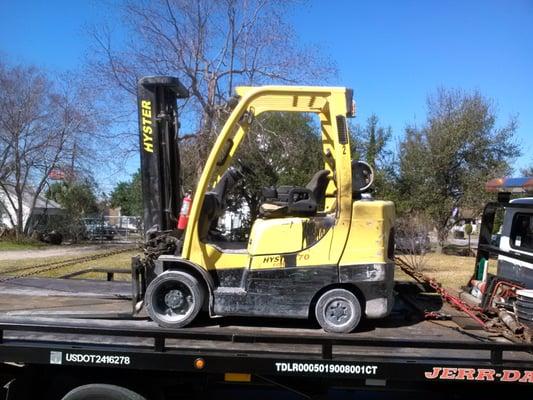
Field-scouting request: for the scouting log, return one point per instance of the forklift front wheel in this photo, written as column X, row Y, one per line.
column 173, row 299
column 338, row 310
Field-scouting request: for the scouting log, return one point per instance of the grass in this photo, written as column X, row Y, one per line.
column 117, row 261
column 450, row 271
column 6, row 245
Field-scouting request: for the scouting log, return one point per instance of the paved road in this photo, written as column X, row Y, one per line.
column 457, row 242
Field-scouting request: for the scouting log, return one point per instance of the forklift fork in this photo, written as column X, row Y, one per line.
column 138, row 284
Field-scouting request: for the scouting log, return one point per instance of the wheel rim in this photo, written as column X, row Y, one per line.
column 338, row 312
column 174, row 301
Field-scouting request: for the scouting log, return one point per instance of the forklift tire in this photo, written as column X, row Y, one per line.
column 338, row 311
column 99, row 391
column 174, row 299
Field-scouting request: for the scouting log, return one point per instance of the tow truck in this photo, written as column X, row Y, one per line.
column 75, row 339
column 509, row 286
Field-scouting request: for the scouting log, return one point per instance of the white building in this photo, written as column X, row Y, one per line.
column 43, row 206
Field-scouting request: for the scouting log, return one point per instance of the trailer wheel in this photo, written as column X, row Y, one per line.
column 338, row 310
column 99, row 391
column 174, row 298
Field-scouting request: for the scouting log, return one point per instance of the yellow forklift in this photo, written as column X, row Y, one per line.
column 324, row 250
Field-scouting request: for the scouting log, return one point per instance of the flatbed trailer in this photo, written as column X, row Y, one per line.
column 59, row 334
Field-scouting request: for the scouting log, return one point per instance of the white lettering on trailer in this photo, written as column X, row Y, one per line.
column 322, row 368
column 96, row 359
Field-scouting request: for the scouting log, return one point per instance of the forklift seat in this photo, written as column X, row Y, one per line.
column 215, row 202
column 295, row 200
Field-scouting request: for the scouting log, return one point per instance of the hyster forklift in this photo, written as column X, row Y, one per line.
column 324, row 250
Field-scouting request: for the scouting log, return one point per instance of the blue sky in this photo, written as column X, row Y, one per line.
column 393, row 53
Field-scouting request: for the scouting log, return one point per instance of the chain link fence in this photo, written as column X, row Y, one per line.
column 113, row 228
column 102, row 228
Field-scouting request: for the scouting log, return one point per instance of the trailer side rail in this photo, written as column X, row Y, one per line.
column 500, row 363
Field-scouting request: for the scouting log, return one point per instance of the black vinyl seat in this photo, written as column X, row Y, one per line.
column 215, row 202
column 295, row 200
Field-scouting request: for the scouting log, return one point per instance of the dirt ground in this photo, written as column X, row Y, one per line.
column 54, row 251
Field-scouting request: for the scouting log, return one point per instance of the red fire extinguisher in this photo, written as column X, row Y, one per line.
column 184, row 212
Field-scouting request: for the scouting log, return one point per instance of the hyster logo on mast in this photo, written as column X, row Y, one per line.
column 146, row 123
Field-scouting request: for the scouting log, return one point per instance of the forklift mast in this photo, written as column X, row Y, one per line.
column 160, row 161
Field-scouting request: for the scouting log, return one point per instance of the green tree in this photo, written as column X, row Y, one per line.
column 79, row 201
column 128, row 196
column 282, row 149
column 444, row 164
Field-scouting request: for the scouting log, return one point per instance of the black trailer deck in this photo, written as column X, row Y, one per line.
column 88, row 323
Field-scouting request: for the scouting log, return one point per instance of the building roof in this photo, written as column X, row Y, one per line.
column 42, row 203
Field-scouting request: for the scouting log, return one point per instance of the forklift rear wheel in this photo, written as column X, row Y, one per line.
column 338, row 310
column 174, row 298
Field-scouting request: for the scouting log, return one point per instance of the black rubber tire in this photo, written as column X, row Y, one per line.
column 156, row 289
column 344, row 301
column 100, row 391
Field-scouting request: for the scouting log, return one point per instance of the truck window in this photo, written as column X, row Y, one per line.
column 522, row 232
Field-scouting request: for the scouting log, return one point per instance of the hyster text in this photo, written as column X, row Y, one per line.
column 146, row 126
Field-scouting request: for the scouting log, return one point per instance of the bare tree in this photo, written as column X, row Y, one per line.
column 412, row 242
column 212, row 46
column 42, row 127
column 528, row 171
